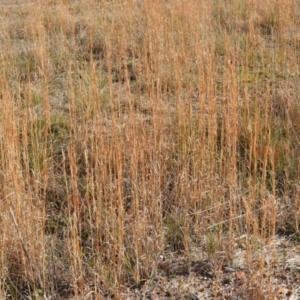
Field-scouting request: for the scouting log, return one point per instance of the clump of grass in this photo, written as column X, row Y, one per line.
column 140, row 128
column 174, row 233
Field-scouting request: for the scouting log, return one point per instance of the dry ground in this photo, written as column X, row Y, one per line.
column 209, row 279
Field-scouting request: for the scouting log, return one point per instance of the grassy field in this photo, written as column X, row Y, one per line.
column 134, row 131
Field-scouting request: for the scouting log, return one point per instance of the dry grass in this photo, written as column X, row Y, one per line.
column 134, row 128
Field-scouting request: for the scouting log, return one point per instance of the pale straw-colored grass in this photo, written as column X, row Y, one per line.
column 131, row 128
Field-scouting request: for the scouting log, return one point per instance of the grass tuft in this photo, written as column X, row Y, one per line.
column 131, row 130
